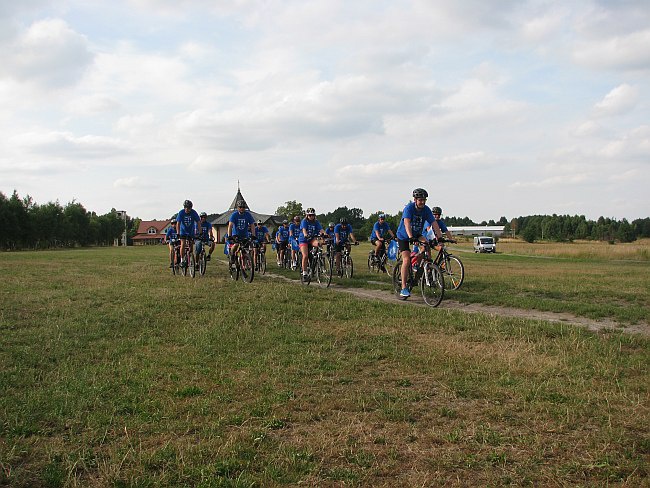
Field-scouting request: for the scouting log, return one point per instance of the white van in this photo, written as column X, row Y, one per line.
column 484, row 244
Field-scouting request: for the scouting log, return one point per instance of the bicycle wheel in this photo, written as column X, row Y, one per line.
column 234, row 268
column 453, row 272
column 191, row 264
column 371, row 262
column 262, row 262
column 184, row 268
column 397, row 277
column 202, row 264
column 432, row 285
column 328, row 266
column 348, row 266
column 247, row 269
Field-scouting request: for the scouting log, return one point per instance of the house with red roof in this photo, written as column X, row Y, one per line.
column 151, row 232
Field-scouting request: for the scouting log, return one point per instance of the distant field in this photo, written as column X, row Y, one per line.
column 115, row 373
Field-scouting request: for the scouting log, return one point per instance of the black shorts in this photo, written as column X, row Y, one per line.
column 281, row 245
column 339, row 247
column 403, row 245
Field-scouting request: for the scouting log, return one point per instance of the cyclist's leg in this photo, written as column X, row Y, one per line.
column 405, row 251
column 304, row 249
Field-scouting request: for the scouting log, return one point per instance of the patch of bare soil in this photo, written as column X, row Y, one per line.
column 567, row 318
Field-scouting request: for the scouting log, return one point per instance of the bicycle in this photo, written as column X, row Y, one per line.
column 241, row 262
column 189, row 258
column 260, row 265
column 378, row 263
column 175, row 267
column 201, row 258
column 318, row 267
column 452, row 267
column 347, row 265
column 426, row 274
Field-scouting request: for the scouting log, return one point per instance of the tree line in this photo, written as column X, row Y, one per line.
column 560, row 228
column 49, row 226
column 31, row 226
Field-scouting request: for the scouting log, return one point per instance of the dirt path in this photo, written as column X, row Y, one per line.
column 567, row 318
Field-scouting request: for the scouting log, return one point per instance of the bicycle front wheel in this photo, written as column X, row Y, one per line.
column 247, row 269
column 263, row 263
column 202, row 264
column 328, row 265
column 453, row 272
column 234, row 268
column 397, row 277
column 191, row 264
column 432, row 285
column 348, row 266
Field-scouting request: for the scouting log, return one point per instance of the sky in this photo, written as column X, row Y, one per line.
column 508, row 108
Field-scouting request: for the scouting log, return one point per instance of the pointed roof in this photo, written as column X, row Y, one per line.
column 222, row 218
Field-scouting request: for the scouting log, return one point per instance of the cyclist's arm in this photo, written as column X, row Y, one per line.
column 407, row 227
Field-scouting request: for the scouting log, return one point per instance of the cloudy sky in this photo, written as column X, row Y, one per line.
column 531, row 107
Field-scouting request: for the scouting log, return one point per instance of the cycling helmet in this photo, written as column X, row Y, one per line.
column 187, row 204
column 420, row 193
column 296, row 218
column 343, row 221
column 381, row 216
column 241, row 203
column 331, row 224
column 203, row 214
column 436, row 210
column 259, row 222
column 173, row 221
column 285, row 221
column 310, row 211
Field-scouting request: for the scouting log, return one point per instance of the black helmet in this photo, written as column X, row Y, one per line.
column 381, row 216
column 420, row 193
column 173, row 221
column 241, row 203
column 203, row 214
column 296, row 217
column 343, row 221
column 436, row 210
column 187, row 204
column 310, row 211
column 331, row 224
column 285, row 221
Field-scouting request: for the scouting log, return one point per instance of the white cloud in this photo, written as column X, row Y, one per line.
column 67, row 145
column 49, row 54
column 629, row 51
column 621, row 99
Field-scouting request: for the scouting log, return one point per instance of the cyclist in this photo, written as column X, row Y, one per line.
column 281, row 241
column 205, row 237
column 329, row 232
column 262, row 238
column 410, row 229
column 310, row 229
column 294, row 235
column 342, row 235
column 185, row 226
column 378, row 239
column 241, row 225
column 437, row 213
column 171, row 239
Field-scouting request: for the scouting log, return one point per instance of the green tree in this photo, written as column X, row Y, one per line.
column 290, row 209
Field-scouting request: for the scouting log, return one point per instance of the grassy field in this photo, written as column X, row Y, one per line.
column 115, row 373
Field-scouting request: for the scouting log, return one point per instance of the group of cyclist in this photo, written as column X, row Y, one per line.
column 418, row 225
column 300, row 235
column 189, row 225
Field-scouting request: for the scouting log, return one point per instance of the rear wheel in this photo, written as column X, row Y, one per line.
column 247, row 269
column 453, row 272
column 432, row 285
column 327, row 269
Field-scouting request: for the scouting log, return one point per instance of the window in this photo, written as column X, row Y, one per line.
column 152, row 230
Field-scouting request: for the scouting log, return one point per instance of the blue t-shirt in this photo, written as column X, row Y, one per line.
column 171, row 234
column 418, row 218
column 260, row 233
column 343, row 231
column 283, row 234
column 431, row 234
column 294, row 230
column 241, row 223
column 330, row 232
column 206, row 229
column 187, row 220
column 382, row 228
column 313, row 228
